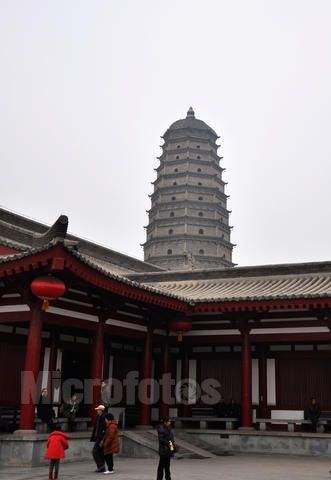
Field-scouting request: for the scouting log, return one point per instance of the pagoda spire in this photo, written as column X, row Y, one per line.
column 190, row 113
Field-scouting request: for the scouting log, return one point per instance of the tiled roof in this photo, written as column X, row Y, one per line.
column 12, row 244
column 105, row 265
column 105, row 268
column 17, row 256
column 197, row 290
column 110, row 272
column 252, row 288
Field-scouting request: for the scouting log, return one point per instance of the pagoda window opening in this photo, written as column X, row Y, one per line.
column 178, row 146
column 177, row 157
column 199, row 183
column 176, row 170
column 200, row 198
column 200, row 214
column 199, row 170
column 201, row 252
column 173, row 198
column 201, row 232
column 170, row 231
column 172, row 214
column 174, row 183
column 198, row 157
column 198, row 146
column 169, row 252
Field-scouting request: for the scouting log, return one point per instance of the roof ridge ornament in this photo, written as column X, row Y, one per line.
column 56, row 232
column 190, row 113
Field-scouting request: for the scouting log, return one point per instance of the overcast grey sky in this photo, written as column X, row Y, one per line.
column 87, row 88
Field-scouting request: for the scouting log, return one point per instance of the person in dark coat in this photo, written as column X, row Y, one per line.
column 45, row 409
column 70, row 410
column 234, row 411
column 166, row 448
column 313, row 413
column 57, row 443
column 97, row 437
column 221, row 409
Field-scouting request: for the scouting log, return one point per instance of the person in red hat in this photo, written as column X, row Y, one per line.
column 57, row 443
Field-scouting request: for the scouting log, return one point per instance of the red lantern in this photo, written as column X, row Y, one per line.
column 180, row 327
column 47, row 288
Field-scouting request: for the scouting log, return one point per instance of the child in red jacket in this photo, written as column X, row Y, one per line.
column 57, row 443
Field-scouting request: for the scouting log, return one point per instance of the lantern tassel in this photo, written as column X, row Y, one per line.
column 45, row 305
column 180, row 336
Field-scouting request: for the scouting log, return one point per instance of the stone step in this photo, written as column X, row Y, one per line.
column 188, row 448
column 140, row 438
column 147, row 440
column 183, row 452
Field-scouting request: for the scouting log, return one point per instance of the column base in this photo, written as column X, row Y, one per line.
column 22, row 433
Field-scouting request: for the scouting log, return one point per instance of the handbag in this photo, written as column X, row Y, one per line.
column 173, row 447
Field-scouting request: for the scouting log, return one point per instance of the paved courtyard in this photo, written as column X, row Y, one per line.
column 238, row 467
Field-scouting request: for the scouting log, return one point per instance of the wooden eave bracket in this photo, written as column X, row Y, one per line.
column 57, row 263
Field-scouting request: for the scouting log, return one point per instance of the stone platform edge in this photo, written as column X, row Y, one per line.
column 27, row 449
column 265, row 433
column 284, row 443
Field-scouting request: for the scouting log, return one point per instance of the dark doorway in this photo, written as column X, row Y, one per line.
column 76, row 366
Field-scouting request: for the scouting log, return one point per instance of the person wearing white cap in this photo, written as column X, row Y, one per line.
column 97, row 437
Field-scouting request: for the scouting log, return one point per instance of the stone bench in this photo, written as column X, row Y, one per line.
column 81, row 424
column 204, row 421
column 263, row 422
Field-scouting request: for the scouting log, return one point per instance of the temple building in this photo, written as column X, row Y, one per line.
column 82, row 311
column 188, row 221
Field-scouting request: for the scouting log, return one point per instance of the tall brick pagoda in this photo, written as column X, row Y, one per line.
column 188, row 221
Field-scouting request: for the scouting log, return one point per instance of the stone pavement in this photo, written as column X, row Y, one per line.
column 236, row 467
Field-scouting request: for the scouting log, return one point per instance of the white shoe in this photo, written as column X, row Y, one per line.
column 107, row 472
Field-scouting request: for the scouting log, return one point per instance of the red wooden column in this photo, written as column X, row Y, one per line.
column 166, row 381
column 246, row 372
column 263, row 389
column 97, row 365
column 146, row 374
column 31, row 368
